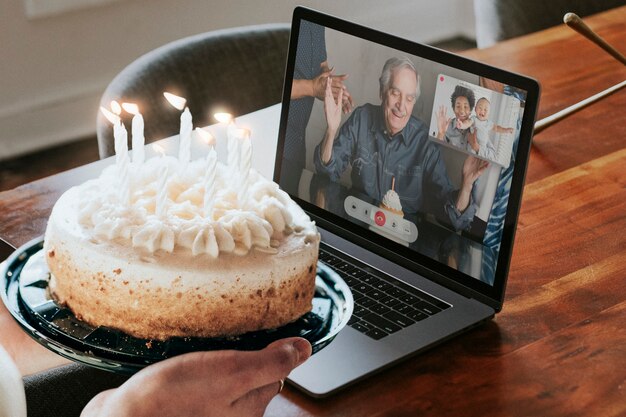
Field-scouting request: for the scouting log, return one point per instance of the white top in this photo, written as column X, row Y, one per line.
column 12, row 396
column 486, row 146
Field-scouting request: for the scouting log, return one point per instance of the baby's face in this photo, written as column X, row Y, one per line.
column 482, row 109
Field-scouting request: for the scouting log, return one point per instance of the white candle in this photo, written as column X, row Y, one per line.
column 233, row 151
column 161, row 199
column 209, row 181
column 123, row 166
column 245, row 144
column 186, row 127
column 138, row 139
column 118, row 127
column 120, row 137
column 226, row 120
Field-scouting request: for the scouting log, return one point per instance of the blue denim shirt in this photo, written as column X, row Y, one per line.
column 409, row 157
column 311, row 53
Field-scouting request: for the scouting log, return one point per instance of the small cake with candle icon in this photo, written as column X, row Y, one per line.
column 182, row 247
column 391, row 201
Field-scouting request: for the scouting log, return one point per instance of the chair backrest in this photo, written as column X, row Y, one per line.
column 237, row 70
column 497, row 20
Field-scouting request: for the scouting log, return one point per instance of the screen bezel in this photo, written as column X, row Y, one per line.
column 414, row 261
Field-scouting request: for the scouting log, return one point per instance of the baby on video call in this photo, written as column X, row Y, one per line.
column 482, row 126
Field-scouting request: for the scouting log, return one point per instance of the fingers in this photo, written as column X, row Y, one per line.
column 340, row 98
column 206, row 383
column 347, row 104
column 269, row 368
column 252, row 370
column 329, row 90
column 339, row 79
column 336, row 94
column 338, row 87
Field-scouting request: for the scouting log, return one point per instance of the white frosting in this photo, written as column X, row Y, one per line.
column 260, row 219
column 392, row 200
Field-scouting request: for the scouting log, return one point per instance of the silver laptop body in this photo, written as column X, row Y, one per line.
column 460, row 270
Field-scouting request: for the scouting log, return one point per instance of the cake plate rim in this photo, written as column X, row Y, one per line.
column 327, row 282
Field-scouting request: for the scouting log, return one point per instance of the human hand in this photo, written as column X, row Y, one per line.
column 465, row 124
column 337, row 86
column 218, row 383
column 442, row 122
column 471, row 139
column 332, row 108
column 472, row 169
column 319, row 82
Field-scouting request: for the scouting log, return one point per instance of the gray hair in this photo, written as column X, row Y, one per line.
column 391, row 65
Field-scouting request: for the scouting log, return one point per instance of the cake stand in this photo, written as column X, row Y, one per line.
column 24, row 290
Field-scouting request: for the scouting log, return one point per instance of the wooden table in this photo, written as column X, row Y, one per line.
column 558, row 348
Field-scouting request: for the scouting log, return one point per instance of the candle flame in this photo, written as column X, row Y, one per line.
column 206, row 136
column 115, row 107
column 130, row 108
column 223, row 117
column 159, row 149
column 174, row 100
column 113, row 118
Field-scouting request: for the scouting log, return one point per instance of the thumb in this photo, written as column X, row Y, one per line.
column 299, row 347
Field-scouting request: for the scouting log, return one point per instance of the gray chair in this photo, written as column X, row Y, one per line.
column 497, row 20
column 237, row 70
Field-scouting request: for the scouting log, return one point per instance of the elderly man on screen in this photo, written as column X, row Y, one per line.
column 386, row 142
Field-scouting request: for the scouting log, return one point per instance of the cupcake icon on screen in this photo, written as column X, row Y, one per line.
column 391, row 200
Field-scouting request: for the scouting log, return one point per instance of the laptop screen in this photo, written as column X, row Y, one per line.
column 419, row 152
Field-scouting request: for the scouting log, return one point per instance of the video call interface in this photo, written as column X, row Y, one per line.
column 420, row 153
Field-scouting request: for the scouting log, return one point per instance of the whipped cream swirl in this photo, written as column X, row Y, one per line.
column 233, row 224
column 392, row 200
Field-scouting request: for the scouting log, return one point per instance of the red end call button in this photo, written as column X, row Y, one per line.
column 379, row 218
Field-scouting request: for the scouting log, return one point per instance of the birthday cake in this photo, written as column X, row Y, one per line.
column 391, row 202
column 167, row 248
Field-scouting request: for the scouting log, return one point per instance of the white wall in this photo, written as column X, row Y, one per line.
column 54, row 64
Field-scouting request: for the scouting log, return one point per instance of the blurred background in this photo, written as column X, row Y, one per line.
column 57, row 57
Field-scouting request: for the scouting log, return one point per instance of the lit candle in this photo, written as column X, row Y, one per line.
column 138, row 139
column 119, row 130
column 123, row 166
column 186, row 126
column 120, row 137
column 243, row 137
column 232, row 142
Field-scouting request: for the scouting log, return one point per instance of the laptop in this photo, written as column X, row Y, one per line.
column 414, row 177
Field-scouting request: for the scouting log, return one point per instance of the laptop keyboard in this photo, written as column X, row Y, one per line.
column 382, row 304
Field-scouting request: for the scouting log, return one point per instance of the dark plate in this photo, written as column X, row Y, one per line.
column 24, row 290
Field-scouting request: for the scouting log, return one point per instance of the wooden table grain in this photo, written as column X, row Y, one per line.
column 558, row 348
